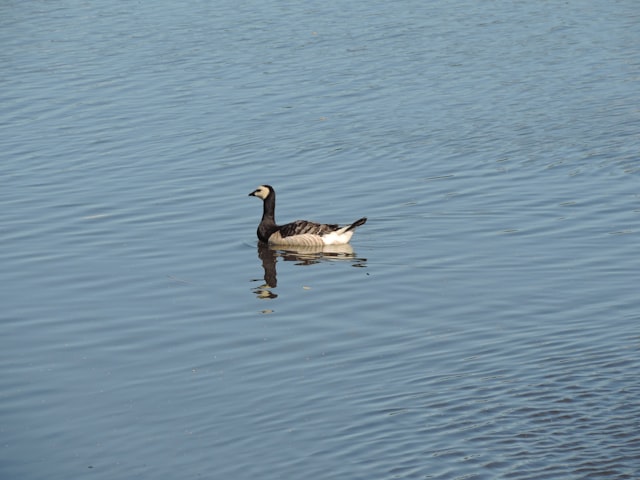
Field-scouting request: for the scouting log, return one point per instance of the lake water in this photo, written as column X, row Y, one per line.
column 485, row 324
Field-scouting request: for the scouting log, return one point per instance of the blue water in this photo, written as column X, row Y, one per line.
column 486, row 323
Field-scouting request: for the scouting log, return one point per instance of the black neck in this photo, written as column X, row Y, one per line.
column 269, row 208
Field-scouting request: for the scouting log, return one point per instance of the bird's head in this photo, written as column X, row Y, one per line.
column 263, row 191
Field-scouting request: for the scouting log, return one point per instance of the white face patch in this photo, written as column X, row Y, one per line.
column 261, row 192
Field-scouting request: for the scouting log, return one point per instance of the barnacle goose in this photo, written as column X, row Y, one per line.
column 300, row 232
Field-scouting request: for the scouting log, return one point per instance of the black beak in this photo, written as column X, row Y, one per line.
column 253, row 194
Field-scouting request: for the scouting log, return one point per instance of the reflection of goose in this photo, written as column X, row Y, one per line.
column 302, row 256
column 314, row 254
column 300, row 232
column 268, row 258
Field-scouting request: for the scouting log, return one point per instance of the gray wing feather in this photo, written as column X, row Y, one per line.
column 301, row 227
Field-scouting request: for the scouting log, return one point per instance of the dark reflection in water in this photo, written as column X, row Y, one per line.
column 302, row 256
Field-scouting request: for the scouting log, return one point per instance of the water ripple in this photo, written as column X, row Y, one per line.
column 484, row 323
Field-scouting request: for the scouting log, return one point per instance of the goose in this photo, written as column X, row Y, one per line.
column 300, row 232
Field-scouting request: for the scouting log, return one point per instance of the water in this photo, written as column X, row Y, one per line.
column 486, row 323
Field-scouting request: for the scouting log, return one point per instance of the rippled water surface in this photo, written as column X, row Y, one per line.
column 485, row 322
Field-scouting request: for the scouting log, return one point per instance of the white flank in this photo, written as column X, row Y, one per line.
column 306, row 239
column 339, row 237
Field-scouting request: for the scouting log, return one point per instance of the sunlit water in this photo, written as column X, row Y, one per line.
column 484, row 322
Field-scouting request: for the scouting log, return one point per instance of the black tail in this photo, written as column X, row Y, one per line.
column 357, row 223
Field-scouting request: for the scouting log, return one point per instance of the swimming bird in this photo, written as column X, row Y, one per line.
column 300, row 232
